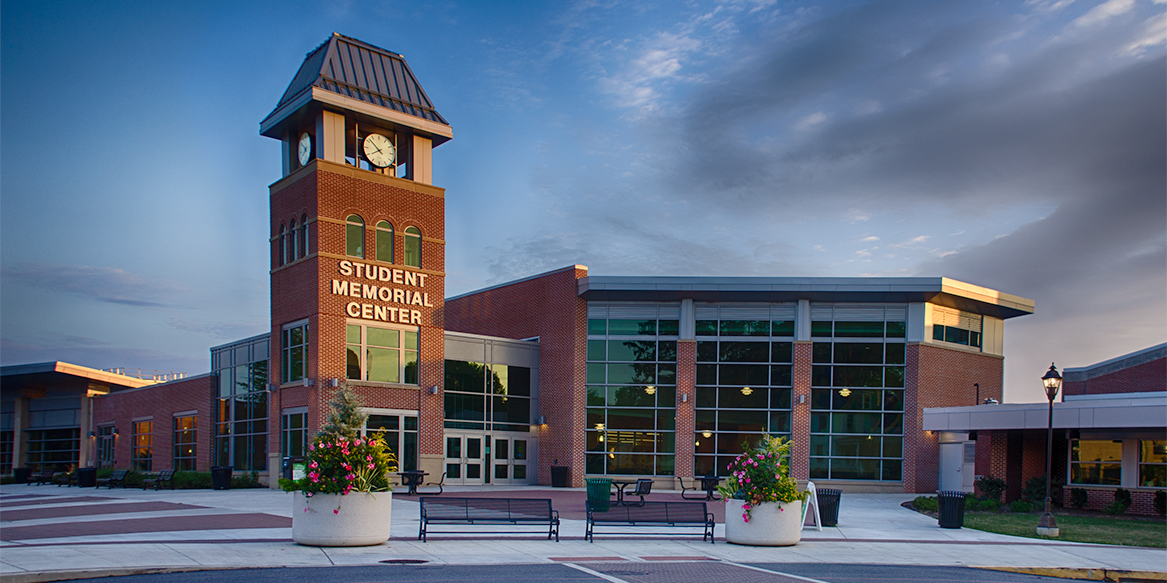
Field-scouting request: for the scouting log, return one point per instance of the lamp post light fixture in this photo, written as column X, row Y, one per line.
column 1047, row 526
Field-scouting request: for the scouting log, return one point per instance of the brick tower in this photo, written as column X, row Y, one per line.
column 357, row 248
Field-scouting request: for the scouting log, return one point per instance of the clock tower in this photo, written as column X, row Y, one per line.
column 357, row 251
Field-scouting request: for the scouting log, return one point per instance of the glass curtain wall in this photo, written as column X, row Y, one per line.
column 241, row 411
column 487, row 396
column 744, row 361
column 632, row 389
column 857, row 395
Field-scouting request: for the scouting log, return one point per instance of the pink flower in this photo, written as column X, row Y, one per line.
column 313, row 465
column 368, row 458
column 747, row 480
column 745, row 517
column 337, row 511
column 358, row 441
column 350, row 476
column 348, row 467
column 372, row 465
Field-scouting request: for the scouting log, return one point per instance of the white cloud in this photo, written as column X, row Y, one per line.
column 1104, row 11
column 1154, row 33
column 857, row 215
column 869, row 239
column 863, row 252
column 810, row 121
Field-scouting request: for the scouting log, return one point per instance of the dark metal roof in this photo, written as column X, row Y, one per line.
column 358, row 70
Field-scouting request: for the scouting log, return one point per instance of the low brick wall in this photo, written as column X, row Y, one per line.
column 1142, row 500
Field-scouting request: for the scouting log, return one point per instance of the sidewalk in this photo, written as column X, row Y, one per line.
column 47, row 532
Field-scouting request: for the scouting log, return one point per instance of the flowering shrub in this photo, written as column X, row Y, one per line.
column 762, row 474
column 339, row 465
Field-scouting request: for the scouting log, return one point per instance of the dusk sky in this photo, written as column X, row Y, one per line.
column 1020, row 146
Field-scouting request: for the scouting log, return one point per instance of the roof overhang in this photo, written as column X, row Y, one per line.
column 314, row 99
column 1126, row 411
column 33, row 380
column 936, row 290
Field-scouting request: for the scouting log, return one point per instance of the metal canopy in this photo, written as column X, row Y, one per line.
column 359, row 71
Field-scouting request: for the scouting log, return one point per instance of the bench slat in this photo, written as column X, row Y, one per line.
column 448, row 510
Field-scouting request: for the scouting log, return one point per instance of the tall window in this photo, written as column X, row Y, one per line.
column 293, row 237
column 294, row 346
column 303, row 235
column 857, row 396
column 105, row 437
column 412, row 247
column 143, row 452
column 399, row 428
column 631, row 400
column 294, row 427
column 354, row 236
column 384, row 241
column 54, row 449
column 241, row 414
column 1096, row 462
column 386, row 355
column 185, row 443
column 283, row 252
column 1153, row 464
column 6, row 443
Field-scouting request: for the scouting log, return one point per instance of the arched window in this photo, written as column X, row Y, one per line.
column 293, row 234
column 384, row 241
column 354, row 236
column 303, row 235
column 281, row 257
column 413, row 247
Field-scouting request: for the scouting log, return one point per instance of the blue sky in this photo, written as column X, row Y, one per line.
column 1015, row 145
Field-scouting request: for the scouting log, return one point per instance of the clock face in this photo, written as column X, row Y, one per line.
column 379, row 150
column 305, row 150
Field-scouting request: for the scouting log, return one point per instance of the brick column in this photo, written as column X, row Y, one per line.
column 800, row 416
column 686, row 385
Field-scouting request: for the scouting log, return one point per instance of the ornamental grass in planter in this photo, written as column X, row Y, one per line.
column 344, row 498
column 763, row 504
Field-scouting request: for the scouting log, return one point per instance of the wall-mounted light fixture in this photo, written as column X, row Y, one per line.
column 684, row 397
column 433, row 390
column 801, row 399
column 334, row 382
column 308, row 382
column 541, row 420
column 115, row 431
column 92, row 434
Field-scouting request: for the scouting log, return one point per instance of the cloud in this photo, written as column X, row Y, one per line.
column 103, row 284
column 1104, row 11
column 810, row 121
column 95, row 353
column 869, row 239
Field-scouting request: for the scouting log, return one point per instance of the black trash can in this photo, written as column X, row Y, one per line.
column 560, row 477
column 21, row 475
column 951, row 509
column 829, row 505
column 87, row 477
column 221, row 477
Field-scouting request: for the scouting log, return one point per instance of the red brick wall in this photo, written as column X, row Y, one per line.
column 160, row 402
column 800, row 416
column 936, row 376
column 1142, row 501
column 547, row 306
column 686, row 413
column 1146, row 377
column 303, row 289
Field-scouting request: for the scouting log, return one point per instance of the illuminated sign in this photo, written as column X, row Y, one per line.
column 386, row 284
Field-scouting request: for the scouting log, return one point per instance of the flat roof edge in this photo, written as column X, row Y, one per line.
column 515, row 281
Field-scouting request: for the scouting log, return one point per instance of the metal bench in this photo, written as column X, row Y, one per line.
column 44, row 477
column 643, row 488
column 488, row 511
column 440, row 483
column 117, row 478
column 651, row 514
column 165, row 477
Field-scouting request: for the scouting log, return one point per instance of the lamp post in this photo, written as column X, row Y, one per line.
column 1047, row 526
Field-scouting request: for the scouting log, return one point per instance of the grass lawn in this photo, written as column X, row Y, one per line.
column 1083, row 529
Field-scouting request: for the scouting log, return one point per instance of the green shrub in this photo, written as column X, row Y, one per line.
column 1115, row 507
column 192, row 480
column 985, row 505
column 1079, row 498
column 246, row 481
column 1034, row 490
column 1020, row 506
column 991, row 488
column 104, row 472
column 925, row 504
column 134, row 479
column 1123, row 497
column 1161, row 502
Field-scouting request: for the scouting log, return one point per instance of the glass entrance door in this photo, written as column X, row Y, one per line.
column 509, row 459
column 465, row 458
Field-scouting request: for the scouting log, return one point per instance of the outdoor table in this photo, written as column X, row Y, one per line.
column 412, row 479
column 709, row 484
column 620, row 486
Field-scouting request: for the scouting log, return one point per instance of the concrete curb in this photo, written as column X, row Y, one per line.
column 46, row 576
column 1088, row 574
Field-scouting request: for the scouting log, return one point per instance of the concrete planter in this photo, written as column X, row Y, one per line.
column 773, row 524
column 356, row 519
